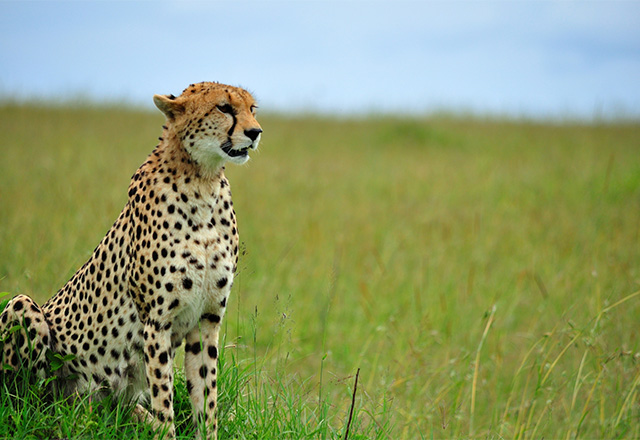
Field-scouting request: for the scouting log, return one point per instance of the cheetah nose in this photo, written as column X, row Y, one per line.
column 253, row 133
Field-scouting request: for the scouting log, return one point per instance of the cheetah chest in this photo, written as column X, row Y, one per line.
column 202, row 257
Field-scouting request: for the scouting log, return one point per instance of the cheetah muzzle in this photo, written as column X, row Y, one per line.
column 162, row 274
column 227, row 147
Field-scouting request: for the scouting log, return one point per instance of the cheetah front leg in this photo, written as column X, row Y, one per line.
column 158, row 356
column 200, row 362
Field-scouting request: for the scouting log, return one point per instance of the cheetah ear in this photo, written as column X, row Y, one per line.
column 168, row 105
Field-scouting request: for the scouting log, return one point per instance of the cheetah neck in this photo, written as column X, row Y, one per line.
column 173, row 152
column 172, row 171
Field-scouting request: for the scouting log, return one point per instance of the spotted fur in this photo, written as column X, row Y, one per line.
column 163, row 272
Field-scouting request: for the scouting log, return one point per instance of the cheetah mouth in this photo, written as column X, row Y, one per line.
column 229, row 151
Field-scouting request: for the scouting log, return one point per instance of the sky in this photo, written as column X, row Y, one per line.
column 522, row 58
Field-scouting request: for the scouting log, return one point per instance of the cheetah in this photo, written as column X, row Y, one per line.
column 163, row 272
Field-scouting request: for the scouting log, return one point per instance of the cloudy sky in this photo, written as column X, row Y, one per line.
column 544, row 58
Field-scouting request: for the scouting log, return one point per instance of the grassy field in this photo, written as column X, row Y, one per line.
column 483, row 275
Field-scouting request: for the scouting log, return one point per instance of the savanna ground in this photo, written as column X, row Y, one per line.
column 482, row 274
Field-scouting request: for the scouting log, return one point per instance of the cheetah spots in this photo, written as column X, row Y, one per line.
column 157, row 326
column 221, row 283
column 187, row 283
column 194, row 348
column 213, row 352
column 213, row 318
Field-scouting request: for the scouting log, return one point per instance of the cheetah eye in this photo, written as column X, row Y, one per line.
column 226, row 108
column 253, row 108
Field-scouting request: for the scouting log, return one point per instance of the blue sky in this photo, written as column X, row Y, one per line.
column 544, row 58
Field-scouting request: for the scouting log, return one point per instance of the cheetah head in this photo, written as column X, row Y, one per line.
column 214, row 122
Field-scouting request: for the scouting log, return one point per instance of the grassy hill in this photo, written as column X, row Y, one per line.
column 484, row 275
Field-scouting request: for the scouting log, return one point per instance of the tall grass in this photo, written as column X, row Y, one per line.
column 253, row 404
column 482, row 274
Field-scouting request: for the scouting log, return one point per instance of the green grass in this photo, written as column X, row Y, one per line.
column 254, row 404
column 473, row 269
